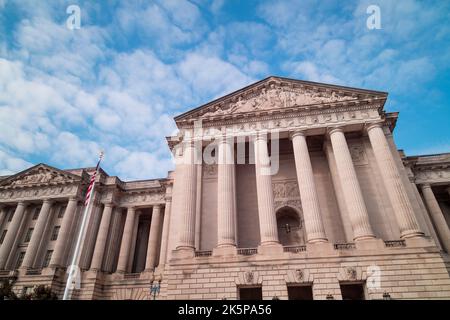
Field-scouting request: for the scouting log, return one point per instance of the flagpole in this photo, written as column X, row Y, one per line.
column 73, row 267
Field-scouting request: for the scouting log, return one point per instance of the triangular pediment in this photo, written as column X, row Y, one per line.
column 40, row 174
column 275, row 93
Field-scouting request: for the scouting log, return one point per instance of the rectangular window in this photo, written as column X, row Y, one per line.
column 61, row 211
column 352, row 291
column 250, row 293
column 300, row 292
column 36, row 213
column 48, row 257
column 20, row 259
column 55, row 233
column 2, row 237
column 28, row 235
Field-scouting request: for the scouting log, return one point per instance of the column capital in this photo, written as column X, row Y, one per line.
column 331, row 130
column 425, row 185
column 48, row 201
column 294, row 133
column 73, row 198
column 22, row 203
column 109, row 204
column 371, row 125
column 260, row 135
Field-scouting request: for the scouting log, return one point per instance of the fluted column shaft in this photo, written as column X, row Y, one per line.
column 64, row 233
column 437, row 216
column 315, row 231
column 267, row 220
column 226, row 235
column 36, row 237
column 188, row 200
column 127, row 236
column 102, row 236
column 165, row 232
column 396, row 191
column 11, row 234
column 351, row 189
column 155, row 226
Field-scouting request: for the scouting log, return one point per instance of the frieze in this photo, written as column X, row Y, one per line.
column 433, row 176
column 142, row 198
column 280, row 123
column 39, row 192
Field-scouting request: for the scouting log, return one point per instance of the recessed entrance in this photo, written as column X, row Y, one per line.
column 254, row 293
column 290, row 231
column 352, row 291
column 300, row 292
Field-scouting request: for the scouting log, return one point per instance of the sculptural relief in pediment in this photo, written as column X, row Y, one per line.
column 40, row 175
column 274, row 98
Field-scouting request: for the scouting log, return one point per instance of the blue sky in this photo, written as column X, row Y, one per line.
column 117, row 82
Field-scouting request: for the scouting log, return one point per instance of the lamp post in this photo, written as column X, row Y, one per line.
column 155, row 288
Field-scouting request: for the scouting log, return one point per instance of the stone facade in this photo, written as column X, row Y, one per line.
column 279, row 185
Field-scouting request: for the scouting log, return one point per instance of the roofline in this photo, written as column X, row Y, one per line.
column 279, row 78
column 427, row 155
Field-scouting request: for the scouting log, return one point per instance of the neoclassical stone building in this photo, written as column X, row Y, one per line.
column 284, row 188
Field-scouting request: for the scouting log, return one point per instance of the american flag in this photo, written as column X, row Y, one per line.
column 91, row 183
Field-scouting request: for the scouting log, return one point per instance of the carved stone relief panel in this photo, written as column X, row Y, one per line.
column 358, row 154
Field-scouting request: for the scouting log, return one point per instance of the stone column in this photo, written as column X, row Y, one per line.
column 188, row 200
column 437, row 216
column 226, row 236
column 64, row 233
column 351, row 189
column 315, row 231
column 267, row 220
column 36, row 237
column 102, row 236
column 11, row 234
column 395, row 189
column 165, row 232
column 155, row 226
column 127, row 236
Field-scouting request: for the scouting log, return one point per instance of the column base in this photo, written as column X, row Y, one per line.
column 364, row 238
column 271, row 248
column 318, row 240
column 22, row 271
column 412, row 234
column 225, row 251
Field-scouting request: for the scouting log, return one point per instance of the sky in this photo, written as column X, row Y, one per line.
column 116, row 83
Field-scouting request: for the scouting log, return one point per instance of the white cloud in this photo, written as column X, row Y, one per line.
column 141, row 165
column 10, row 164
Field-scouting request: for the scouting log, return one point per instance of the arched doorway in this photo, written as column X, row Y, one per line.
column 290, row 227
